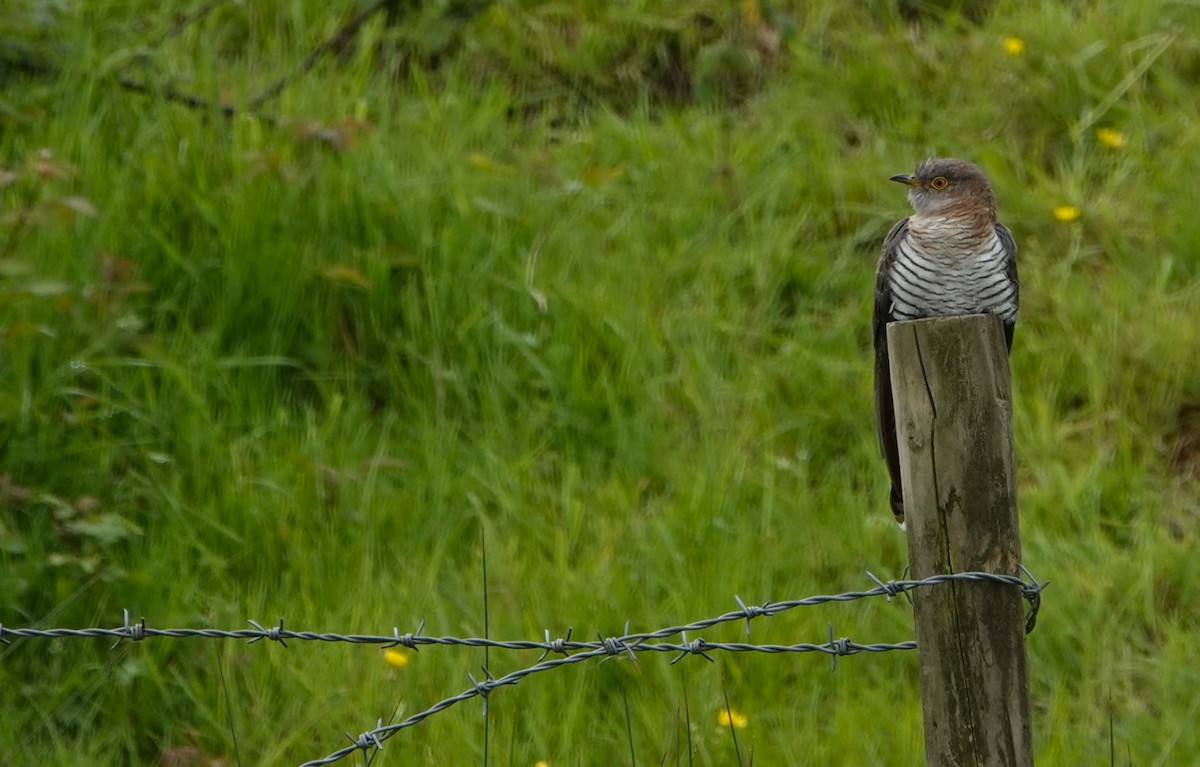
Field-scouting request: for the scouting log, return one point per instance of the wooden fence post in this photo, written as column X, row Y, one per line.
column 953, row 401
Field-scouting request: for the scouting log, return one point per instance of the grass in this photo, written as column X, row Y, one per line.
column 551, row 277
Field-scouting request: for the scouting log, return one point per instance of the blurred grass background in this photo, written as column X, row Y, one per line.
column 590, row 282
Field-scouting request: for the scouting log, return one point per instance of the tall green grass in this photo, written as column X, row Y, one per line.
column 536, row 277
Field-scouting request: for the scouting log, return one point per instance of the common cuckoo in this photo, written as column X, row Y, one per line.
column 950, row 257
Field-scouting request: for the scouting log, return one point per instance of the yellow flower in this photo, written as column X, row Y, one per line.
column 1111, row 137
column 1014, row 46
column 541, row 763
column 1066, row 213
column 751, row 12
column 395, row 658
column 728, row 716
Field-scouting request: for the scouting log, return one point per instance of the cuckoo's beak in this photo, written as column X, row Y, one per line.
column 906, row 178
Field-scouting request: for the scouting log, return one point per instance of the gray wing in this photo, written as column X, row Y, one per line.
column 1010, row 270
column 885, row 414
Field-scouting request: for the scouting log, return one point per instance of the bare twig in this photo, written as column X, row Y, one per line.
column 170, row 93
column 335, row 43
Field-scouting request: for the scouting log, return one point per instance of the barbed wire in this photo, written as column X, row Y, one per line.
column 138, row 631
column 628, row 644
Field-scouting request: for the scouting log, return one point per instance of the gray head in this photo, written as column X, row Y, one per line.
column 943, row 185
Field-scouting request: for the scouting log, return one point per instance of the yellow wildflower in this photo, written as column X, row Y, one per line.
column 751, row 12
column 728, row 716
column 1014, row 46
column 395, row 658
column 483, row 162
column 1066, row 213
column 1111, row 137
column 541, row 763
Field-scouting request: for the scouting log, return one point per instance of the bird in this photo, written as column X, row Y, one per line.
column 950, row 257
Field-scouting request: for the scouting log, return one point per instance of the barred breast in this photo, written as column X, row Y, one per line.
column 944, row 276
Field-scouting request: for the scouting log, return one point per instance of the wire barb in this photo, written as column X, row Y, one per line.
column 752, row 611
column 614, row 646
column 694, row 647
column 484, row 689
column 837, row 648
column 275, row 633
column 408, row 640
column 369, row 739
column 889, row 588
column 556, row 645
column 1032, row 592
column 134, row 631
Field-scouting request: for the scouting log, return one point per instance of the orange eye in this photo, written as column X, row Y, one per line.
column 939, row 183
